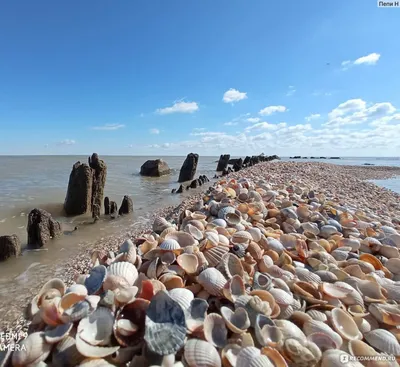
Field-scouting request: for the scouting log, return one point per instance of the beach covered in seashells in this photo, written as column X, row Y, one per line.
column 283, row 264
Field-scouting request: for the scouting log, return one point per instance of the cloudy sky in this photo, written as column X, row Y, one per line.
column 169, row 77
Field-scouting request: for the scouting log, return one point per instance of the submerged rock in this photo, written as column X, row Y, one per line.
column 238, row 165
column 41, row 227
column 106, row 205
column 155, row 168
column 113, row 209
column 223, row 162
column 9, row 246
column 189, row 168
column 99, row 181
column 126, row 205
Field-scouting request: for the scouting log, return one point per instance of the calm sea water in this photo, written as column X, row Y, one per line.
column 27, row 182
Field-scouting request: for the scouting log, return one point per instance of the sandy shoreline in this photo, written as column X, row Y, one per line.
column 345, row 183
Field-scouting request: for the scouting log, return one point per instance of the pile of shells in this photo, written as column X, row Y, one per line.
column 254, row 275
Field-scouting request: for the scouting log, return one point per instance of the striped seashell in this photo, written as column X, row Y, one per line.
column 160, row 224
column 129, row 251
column 326, row 276
column 230, row 265
column 182, row 296
column 384, row 341
column 214, row 255
column 224, row 211
column 317, row 315
column 212, row 281
column 282, row 298
column 32, row 350
column 255, row 250
column 237, row 321
column 125, row 270
column 255, row 233
column 262, row 281
column 252, row 357
column 215, row 331
column 314, row 326
column 393, row 265
column 194, row 232
column 242, row 237
column 307, row 276
column 170, row 245
column 340, row 255
column 201, row 353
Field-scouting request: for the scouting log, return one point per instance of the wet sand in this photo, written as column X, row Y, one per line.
column 345, row 184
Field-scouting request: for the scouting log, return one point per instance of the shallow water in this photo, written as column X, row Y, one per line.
column 27, row 182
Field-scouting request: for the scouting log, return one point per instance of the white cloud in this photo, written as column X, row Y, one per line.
column 357, row 111
column 291, row 91
column 207, row 133
column 179, row 107
column 154, row 131
column 166, row 145
column 313, row 116
column 67, row 142
column 233, row 95
column 253, row 120
column 108, row 127
column 266, row 126
column 272, row 109
column 199, row 129
column 230, row 123
column 370, row 59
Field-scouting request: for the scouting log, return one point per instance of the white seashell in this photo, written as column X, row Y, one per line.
column 384, row 341
column 66, row 350
column 255, row 233
column 275, row 245
column 129, row 250
column 314, row 326
column 182, row 296
column 98, row 362
column 92, row 351
column 290, row 330
column 212, row 281
column 194, row 232
column 252, row 357
column 79, row 289
column 214, row 254
column 125, row 270
column 188, row 262
column 345, row 325
column 215, row 330
column 170, row 244
column 317, row 315
column 201, row 353
column 32, row 350
column 338, row 358
column 57, row 333
column 282, row 297
column 393, row 265
column 97, row 328
column 230, row 265
column 237, row 321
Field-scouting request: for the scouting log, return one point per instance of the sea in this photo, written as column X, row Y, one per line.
column 27, row 182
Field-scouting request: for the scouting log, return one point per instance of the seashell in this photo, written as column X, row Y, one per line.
column 171, row 281
column 97, row 328
column 196, row 315
column 215, row 330
column 32, row 350
column 323, row 341
column 314, row 326
column 290, row 330
column 224, row 211
column 384, row 341
column 230, row 265
column 281, row 297
column 275, row 245
column 386, row 314
column 57, row 333
column 188, row 262
column 69, row 299
column 255, row 233
column 129, row 251
column 393, row 265
column 340, row 255
column 338, row 358
column 78, row 289
column 389, row 251
column 55, row 283
column 125, row 270
column 201, row 353
column 237, row 321
column 170, row 244
column 234, row 288
column 262, row 281
column 344, row 324
column 65, row 353
column 326, row 276
column 95, row 280
column 92, row 351
column 335, row 290
column 232, row 219
column 317, row 315
column 184, row 239
column 182, row 296
column 268, row 334
column 238, row 250
column 214, row 254
column 160, row 224
column 165, row 325
column 97, row 362
column 125, row 295
column 301, row 353
column 212, row 281
column 252, row 357
column 75, row 313
column 307, row 276
column 194, row 231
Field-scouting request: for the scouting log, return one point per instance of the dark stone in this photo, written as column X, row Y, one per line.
column 173, row 191
column 41, row 227
column 335, row 158
column 126, row 205
column 206, row 178
column 86, row 186
column 106, row 205
column 187, row 187
column 10, row 246
column 180, row 190
column 223, row 162
column 189, row 167
column 99, row 181
column 194, row 184
column 113, row 209
column 79, row 193
column 246, row 161
column 238, row 165
column 155, row 168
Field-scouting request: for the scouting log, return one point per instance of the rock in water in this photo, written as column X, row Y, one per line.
column 155, row 168
column 99, row 181
column 41, row 227
column 246, row 161
column 223, row 162
column 106, row 205
column 79, row 194
column 126, row 205
column 9, row 246
column 180, row 190
column 189, row 167
column 113, row 210
column 194, row 184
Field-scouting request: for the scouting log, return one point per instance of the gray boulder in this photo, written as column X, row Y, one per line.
column 126, row 205
column 9, row 246
column 155, row 168
column 42, row 227
column 113, row 209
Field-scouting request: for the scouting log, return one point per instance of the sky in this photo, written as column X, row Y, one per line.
column 160, row 77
